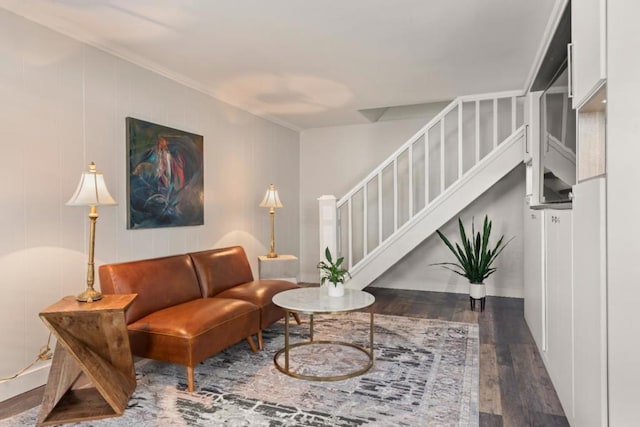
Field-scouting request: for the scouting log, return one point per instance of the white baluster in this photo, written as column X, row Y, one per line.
column 410, row 181
column 395, row 193
column 495, row 122
column 460, row 140
column 365, row 227
column 350, row 233
column 477, row 132
column 426, row 167
column 514, row 113
column 442, row 171
column 380, row 208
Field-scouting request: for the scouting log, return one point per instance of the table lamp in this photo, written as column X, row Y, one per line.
column 271, row 200
column 92, row 191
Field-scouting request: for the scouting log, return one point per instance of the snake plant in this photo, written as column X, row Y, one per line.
column 475, row 257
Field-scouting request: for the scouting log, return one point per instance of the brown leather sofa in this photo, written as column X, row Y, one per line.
column 192, row 306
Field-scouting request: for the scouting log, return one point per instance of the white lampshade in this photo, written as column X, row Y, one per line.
column 92, row 190
column 271, row 198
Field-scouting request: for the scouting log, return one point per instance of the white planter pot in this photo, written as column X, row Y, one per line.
column 335, row 290
column 477, row 290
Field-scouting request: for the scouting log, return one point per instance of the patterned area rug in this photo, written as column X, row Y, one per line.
column 425, row 374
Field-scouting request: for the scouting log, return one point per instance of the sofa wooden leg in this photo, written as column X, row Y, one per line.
column 297, row 317
column 260, row 342
column 191, row 387
column 252, row 344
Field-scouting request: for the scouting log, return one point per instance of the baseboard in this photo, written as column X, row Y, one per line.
column 33, row 378
column 457, row 288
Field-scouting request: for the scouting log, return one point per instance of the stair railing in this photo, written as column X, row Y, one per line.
column 420, row 171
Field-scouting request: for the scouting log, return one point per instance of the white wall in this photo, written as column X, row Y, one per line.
column 504, row 204
column 63, row 105
column 332, row 161
column 623, row 209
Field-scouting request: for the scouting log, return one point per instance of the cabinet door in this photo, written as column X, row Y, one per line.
column 533, row 275
column 588, row 35
column 559, row 302
column 589, row 300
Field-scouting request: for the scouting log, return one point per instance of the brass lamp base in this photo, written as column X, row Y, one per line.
column 89, row 295
column 272, row 246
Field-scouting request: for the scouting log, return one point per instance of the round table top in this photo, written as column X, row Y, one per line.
column 316, row 300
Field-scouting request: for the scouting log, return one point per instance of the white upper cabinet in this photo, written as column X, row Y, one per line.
column 588, row 48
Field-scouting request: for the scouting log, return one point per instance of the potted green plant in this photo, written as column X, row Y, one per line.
column 333, row 273
column 475, row 258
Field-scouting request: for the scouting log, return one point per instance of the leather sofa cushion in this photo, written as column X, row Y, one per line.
column 260, row 293
column 191, row 332
column 221, row 269
column 159, row 283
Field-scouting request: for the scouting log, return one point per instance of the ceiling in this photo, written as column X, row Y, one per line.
column 314, row 63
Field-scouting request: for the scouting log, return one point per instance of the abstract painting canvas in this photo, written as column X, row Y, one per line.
column 165, row 185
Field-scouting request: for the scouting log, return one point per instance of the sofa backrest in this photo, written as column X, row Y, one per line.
column 221, row 269
column 159, row 283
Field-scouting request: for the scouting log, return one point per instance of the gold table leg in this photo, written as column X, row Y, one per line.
column 286, row 341
column 288, row 346
column 371, row 335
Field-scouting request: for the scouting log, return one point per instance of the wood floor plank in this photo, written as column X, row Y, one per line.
column 503, row 355
column 486, row 322
column 509, row 328
column 21, row 403
column 533, row 378
column 547, row 420
column 491, row 401
column 490, row 420
column 514, row 412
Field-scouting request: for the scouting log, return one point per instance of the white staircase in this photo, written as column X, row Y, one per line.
column 452, row 160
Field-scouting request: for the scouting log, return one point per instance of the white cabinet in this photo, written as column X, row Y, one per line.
column 588, row 48
column 548, row 295
column 558, row 352
column 534, row 309
column 590, row 303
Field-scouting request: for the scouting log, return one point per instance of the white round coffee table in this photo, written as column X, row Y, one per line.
column 316, row 301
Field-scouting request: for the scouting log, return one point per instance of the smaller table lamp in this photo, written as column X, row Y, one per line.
column 92, row 191
column 271, row 200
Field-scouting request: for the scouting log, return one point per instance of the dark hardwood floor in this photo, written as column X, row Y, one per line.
column 515, row 389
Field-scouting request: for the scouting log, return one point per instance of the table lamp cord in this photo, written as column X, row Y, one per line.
column 45, row 354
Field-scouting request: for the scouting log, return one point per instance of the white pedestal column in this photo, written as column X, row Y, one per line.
column 328, row 225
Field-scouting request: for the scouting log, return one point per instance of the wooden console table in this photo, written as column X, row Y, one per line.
column 92, row 374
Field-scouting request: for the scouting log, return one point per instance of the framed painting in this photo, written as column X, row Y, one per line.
column 165, row 179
